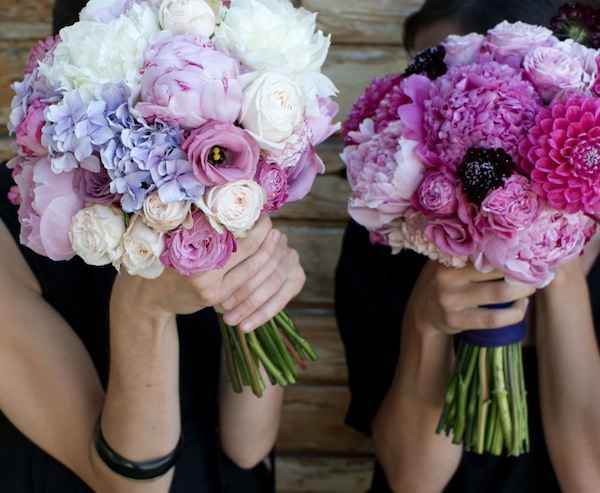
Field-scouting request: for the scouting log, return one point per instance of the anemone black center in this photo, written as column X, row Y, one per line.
column 217, row 156
column 430, row 62
column 483, row 171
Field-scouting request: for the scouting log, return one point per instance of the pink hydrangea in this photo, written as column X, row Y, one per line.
column 510, row 209
column 562, row 152
column 533, row 255
column 39, row 53
column 384, row 172
column 367, row 104
column 485, row 105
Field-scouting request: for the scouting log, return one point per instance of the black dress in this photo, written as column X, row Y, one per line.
column 372, row 290
column 81, row 295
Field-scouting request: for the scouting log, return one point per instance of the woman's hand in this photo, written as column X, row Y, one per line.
column 449, row 300
column 259, row 280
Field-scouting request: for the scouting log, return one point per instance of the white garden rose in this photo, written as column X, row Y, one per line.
column 164, row 217
column 193, row 17
column 273, row 36
column 142, row 250
column 235, row 206
column 94, row 53
column 96, row 234
column 273, row 107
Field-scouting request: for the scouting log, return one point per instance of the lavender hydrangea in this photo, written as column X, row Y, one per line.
column 146, row 158
column 32, row 88
column 76, row 131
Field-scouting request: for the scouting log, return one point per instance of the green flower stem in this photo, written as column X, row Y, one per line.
column 232, row 369
column 271, row 351
column 471, row 434
column 267, row 363
column 491, row 427
column 501, row 395
column 238, row 355
column 524, row 407
column 289, row 328
column 255, row 378
column 463, row 387
column 484, row 400
column 283, row 351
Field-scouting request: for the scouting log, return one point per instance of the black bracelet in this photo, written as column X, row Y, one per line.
column 138, row 471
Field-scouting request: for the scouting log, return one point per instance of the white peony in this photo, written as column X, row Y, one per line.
column 94, row 53
column 235, row 206
column 273, row 36
column 142, row 250
column 194, row 17
column 96, row 234
column 104, row 10
column 272, row 109
column 164, row 217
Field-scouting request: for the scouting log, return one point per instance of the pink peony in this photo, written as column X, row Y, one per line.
column 221, row 153
column 186, row 81
column 29, row 131
column 562, row 152
column 274, row 182
column 48, row 204
column 508, row 43
column 197, row 249
column 462, row 50
column 39, row 53
column 436, row 195
column 367, row 104
column 321, row 126
column 509, row 209
column 14, row 196
column 417, row 89
column 533, row 255
column 487, row 105
column 384, row 172
column 552, row 70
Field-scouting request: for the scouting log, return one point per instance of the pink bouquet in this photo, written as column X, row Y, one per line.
column 153, row 134
column 486, row 150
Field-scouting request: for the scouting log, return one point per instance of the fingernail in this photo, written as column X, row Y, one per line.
column 247, row 326
column 231, row 320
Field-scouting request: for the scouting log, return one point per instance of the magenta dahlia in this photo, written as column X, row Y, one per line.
column 486, row 105
column 562, row 153
column 367, row 104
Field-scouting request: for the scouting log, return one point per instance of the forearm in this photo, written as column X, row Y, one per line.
column 413, row 456
column 249, row 425
column 141, row 414
column 569, row 367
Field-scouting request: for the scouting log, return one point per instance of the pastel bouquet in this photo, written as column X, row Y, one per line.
column 154, row 134
column 485, row 150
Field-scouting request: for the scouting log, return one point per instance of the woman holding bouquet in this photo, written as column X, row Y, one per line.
column 70, row 404
column 398, row 378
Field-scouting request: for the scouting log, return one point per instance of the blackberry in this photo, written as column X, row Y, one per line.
column 484, row 170
column 578, row 22
column 429, row 62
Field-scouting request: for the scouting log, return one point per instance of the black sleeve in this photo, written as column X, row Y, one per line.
column 372, row 290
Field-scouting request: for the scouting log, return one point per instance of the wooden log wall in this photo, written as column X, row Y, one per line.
column 317, row 453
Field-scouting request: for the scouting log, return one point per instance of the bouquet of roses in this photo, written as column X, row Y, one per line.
column 485, row 150
column 153, row 134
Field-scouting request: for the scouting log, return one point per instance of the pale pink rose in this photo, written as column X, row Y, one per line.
column 48, row 204
column 552, row 70
column 509, row 209
column 436, row 195
column 508, row 42
column 29, row 132
column 462, row 50
column 197, row 249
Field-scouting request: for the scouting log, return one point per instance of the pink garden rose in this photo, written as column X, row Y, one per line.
column 533, row 255
column 552, row 70
column 508, row 43
column 462, row 50
column 197, row 249
column 509, row 209
column 436, row 195
column 29, row 132
column 221, row 153
column 274, row 182
column 39, row 53
column 186, row 81
column 48, row 204
column 95, row 187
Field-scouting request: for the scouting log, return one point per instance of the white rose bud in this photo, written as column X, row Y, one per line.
column 164, row 217
column 193, row 17
column 142, row 250
column 235, row 206
column 272, row 109
column 96, row 234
